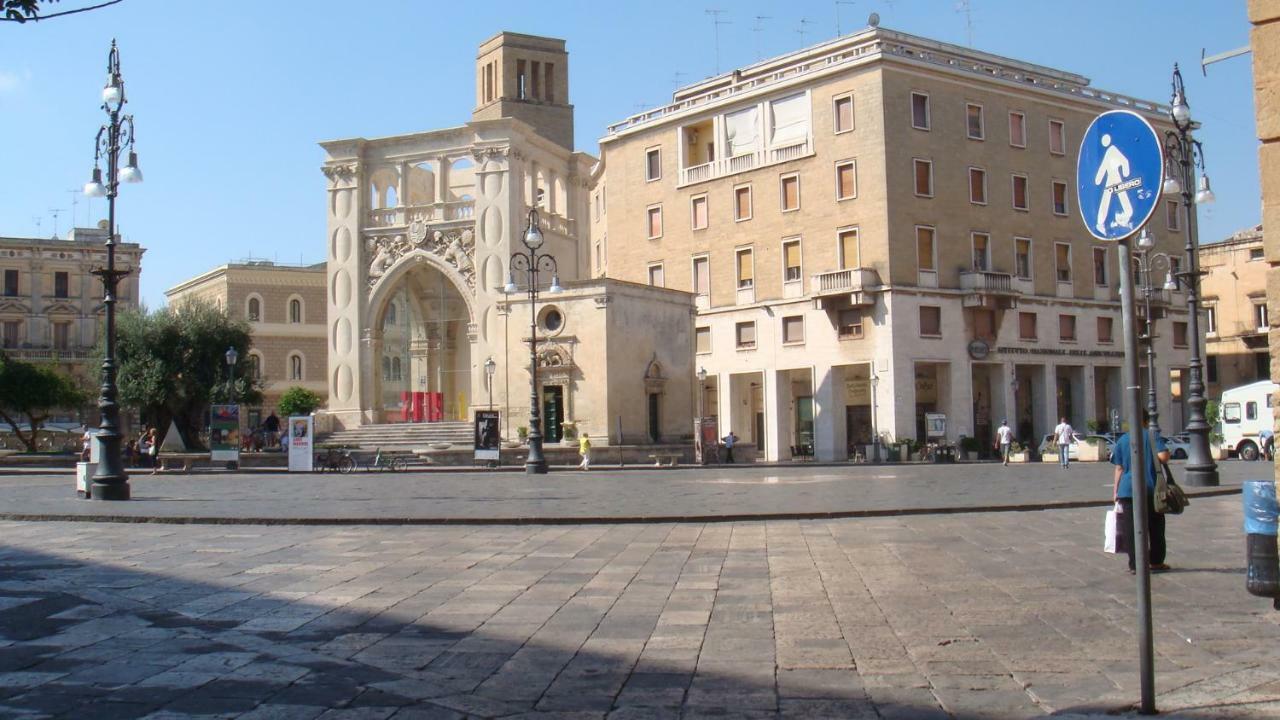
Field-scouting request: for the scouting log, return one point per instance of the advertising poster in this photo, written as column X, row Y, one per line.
column 301, row 443
column 224, row 433
column 488, row 440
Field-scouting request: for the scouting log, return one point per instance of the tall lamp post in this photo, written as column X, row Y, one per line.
column 110, row 481
column 532, row 264
column 700, row 443
column 1184, row 155
column 1147, row 261
column 490, row 367
column 875, row 427
column 231, row 356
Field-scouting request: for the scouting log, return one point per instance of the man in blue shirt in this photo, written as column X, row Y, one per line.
column 1121, row 456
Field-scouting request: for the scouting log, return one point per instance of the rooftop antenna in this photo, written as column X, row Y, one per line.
column 802, row 31
column 838, row 4
column 37, row 220
column 759, row 28
column 675, row 77
column 75, row 202
column 965, row 8
column 54, row 212
column 716, row 22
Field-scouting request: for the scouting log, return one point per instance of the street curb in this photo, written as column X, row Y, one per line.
column 584, row 520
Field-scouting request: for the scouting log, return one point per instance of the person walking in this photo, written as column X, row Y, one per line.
column 1004, row 440
column 729, row 441
column 1268, row 439
column 1063, row 434
column 584, row 449
column 1123, row 494
column 153, row 450
column 272, row 427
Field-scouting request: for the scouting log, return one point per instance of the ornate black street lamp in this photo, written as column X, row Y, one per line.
column 490, row 367
column 110, row 482
column 1183, row 155
column 875, row 428
column 231, row 356
column 1148, row 261
column 532, row 264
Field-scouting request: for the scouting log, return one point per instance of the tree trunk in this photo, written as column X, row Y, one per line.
column 29, row 442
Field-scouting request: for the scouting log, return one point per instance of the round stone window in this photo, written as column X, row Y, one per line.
column 551, row 319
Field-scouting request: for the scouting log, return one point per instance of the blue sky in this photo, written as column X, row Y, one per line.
column 231, row 98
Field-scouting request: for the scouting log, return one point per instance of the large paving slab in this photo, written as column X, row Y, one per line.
column 981, row 615
column 664, row 494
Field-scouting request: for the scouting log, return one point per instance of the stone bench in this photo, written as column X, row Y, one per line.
column 186, row 459
column 672, row 458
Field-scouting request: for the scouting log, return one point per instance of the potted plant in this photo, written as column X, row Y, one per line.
column 969, row 447
column 523, row 433
column 1090, row 450
column 570, row 435
column 1017, row 453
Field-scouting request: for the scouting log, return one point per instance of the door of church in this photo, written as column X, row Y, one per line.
column 552, row 413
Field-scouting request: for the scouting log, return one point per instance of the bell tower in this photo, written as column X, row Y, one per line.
column 525, row 77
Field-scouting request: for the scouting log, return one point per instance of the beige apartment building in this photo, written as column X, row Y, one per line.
column 879, row 227
column 424, row 230
column 1234, row 297
column 50, row 302
column 285, row 308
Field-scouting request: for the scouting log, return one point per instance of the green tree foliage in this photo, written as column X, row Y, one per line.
column 298, row 401
column 172, row 365
column 29, row 393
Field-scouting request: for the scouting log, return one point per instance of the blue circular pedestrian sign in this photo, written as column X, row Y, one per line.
column 1119, row 174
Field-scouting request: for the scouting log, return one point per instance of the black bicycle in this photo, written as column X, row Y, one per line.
column 336, row 460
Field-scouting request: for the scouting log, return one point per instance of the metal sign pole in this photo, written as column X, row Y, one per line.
column 1138, row 480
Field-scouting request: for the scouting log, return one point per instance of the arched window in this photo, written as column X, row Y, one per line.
column 295, row 310
column 386, row 368
column 295, row 367
column 395, row 369
column 255, row 309
column 391, row 314
column 255, row 366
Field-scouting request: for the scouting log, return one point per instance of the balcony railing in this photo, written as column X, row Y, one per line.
column 52, row 354
column 839, row 282
column 985, row 281
column 431, row 213
column 762, row 157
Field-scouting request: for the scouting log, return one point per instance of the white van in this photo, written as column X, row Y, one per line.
column 1245, row 412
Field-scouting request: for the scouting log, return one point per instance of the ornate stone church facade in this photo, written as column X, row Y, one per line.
column 421, row 230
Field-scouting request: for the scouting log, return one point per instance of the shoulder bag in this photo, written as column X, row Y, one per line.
column 1169, row 498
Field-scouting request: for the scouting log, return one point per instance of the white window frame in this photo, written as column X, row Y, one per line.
column 1070, row 260
column 973, row 248
column 782, row 329
column 1106, row 276
column 782, row 192
column 835, row 113
column 794, row 240
column 693, row 270
column 1013, row 191
column 696, row 351
column 852, row 163
column 914, row 177
column 928, row 111
column 915, row 238
column 1261, row 309
column 982, row 122
column 1066, row 197
column 1211, row 319
column 693, row 215
column 982, row 170
column 1023, row 117
column 737, row 343
column 302, row 310
column 648, row 224
column 1061, row 134
column 751, row 202
column 857, row 233
column 737, row 263
column 662, row 273
column 1031, row 268
column 647, row 152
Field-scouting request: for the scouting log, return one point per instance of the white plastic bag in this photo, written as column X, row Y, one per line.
column 1110, row 530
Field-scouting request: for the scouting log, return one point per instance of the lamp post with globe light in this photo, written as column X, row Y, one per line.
column 700, row 442
column 110, row 481
column 532, row 264
column 490, row 367
column 1147, row 261
column 1183, row 156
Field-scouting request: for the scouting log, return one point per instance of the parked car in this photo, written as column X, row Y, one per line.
column 1049, row 448
column 1179, row 444
column 1106, row 441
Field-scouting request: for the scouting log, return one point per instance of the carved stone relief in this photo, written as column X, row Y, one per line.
column 339, row 173
column 453, row 247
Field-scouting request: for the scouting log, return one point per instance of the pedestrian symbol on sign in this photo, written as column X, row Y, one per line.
column 1118, row 171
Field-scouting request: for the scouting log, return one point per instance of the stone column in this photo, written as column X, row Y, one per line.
column 828, row 415
column 1048, row 410
column 348, row 375
column 775, row 409
column 959, row 399
column 724, row 403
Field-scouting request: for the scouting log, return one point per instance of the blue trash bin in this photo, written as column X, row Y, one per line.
column 1260, row 515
